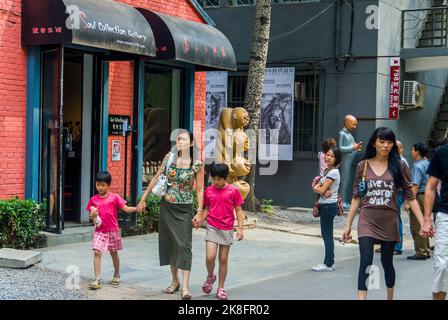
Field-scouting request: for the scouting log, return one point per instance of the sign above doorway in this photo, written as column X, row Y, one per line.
column 102, row 24
column 116, row 124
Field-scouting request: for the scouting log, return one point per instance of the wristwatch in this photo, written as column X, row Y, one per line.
column 199, row 210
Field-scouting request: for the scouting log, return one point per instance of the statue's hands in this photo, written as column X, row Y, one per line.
column 357, row 146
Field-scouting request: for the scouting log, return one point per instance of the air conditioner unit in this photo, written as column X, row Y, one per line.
column 413, row 95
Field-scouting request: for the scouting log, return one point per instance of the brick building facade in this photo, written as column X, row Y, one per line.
column 22, row 78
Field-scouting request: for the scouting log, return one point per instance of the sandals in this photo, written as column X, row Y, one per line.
column 186, row 296
column 208, row 284
column 115, row 281
column 222, row 294
column 95, row 285
column 171, row 289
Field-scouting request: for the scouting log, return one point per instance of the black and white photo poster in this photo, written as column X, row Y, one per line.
column 276, row 115
column 216, row 100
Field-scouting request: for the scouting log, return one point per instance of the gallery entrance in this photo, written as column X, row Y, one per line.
column 69, row 144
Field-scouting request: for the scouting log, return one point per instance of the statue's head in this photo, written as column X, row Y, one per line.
column 240, row 118
column 350, row 122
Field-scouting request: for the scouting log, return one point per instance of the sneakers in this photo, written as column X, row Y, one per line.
column 323, row 268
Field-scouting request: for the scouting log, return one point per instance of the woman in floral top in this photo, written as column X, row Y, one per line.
column 176, row 210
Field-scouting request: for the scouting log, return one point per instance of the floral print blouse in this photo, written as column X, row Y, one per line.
column 180, row 183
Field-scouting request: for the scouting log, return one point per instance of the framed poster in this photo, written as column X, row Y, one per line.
column 276, row 115
column 116, row 150
column 216, row 100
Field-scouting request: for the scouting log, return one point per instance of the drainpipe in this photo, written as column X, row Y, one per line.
column 337, row 28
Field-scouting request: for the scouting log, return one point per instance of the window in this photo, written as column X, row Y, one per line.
column 209, row 3
column 239, row 3
column 306, row 112
column 292, row 1
column 306, row 107
column 237, row 91
column 162, row 115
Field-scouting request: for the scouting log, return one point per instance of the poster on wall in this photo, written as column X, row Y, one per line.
column 276, row 115
column 116, row 150
column 216, row 100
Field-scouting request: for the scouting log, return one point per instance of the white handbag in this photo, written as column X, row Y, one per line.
column 162, row 182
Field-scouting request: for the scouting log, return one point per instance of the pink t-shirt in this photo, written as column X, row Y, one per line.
column 107, row 210
column 221, row 204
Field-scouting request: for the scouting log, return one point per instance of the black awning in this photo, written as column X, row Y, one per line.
column 192, row 42
column 101, row 24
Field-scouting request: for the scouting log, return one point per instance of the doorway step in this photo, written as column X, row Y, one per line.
column 68, row 236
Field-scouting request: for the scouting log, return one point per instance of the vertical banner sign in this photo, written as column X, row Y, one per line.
column 394, row 89
column 216, row 100
column 276, row 115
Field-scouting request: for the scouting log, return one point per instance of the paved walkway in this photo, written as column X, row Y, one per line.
column 266, row 265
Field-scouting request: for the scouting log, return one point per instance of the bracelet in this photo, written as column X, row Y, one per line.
column 200, row 210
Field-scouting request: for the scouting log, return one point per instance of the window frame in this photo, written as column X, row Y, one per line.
column 297, row 154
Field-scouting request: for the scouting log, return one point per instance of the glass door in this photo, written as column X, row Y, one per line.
column 51, row 134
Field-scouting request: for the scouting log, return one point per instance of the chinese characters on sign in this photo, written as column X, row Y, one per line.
column 44, row 30
column 116, row 124
column 394, row 88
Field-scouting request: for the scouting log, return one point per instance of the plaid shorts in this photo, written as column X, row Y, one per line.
column 103, row 241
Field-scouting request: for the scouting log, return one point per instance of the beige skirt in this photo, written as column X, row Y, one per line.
column 221, row 237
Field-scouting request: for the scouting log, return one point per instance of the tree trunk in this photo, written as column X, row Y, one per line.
column 255, row 78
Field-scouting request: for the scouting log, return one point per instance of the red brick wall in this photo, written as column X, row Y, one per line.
column 12, row 101
column 178, row 8
column 13, row 92
column 121, row 92
column 199, row 107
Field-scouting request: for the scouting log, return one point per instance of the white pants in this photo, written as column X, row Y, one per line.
column 440, row 272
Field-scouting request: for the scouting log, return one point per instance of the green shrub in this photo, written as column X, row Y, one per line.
column 146, row 222
column 266, row 206
column 20, row 223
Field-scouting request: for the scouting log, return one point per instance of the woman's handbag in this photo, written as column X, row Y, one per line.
column 161, row 185
column 340, row 206
column 362, row 186
column 316, row 212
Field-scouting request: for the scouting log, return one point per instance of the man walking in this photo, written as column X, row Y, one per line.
column 438, row 170
column 419, row 180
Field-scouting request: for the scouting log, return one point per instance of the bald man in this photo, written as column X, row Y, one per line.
column 400, row 152
column 350, row 150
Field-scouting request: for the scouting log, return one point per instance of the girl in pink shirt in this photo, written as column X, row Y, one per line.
column 221, row 200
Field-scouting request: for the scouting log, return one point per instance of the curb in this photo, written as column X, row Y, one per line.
column 304, row 231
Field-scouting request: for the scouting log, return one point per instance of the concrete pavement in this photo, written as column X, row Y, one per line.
column 266, row 265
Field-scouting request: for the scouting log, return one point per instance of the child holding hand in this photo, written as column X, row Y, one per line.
column 103, row 209
column 221, row 201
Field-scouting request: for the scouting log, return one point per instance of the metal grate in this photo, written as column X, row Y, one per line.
column 239, row 3
column 306, row 112
column 209, row 3
column 292, row 1
column 237, row 91
column 424, row 28
column 306, row 108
